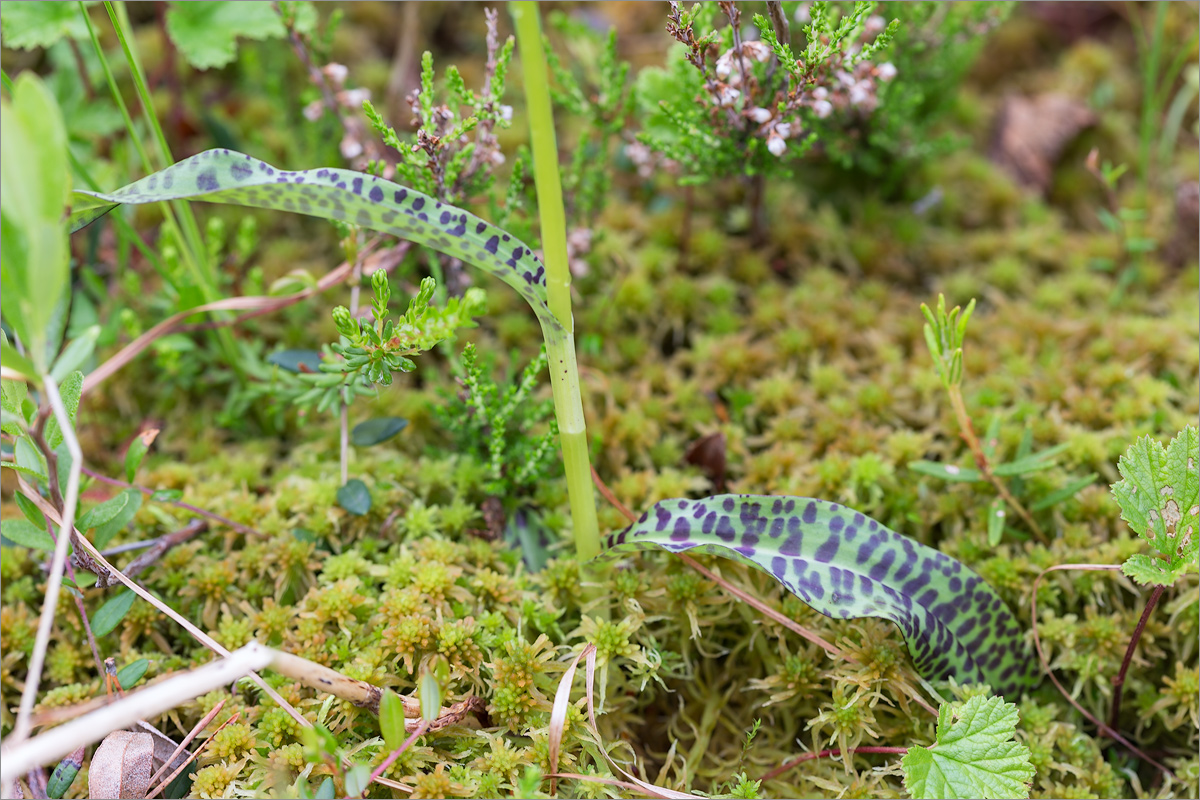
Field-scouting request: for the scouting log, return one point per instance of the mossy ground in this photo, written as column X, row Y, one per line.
column 807, row 354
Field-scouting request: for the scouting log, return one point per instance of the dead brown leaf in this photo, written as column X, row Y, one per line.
column 1032, row 133
column 122, row 765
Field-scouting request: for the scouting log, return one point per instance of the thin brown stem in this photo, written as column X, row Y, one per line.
column 1041, row 654
column 89, row 91
column 1119, row 681
column 967, row 431
column 775, row 773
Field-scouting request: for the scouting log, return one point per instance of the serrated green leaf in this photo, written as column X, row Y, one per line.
column 391, row 719
column 947, row 472
column 975, row 755
column 70, row 391
column 1160, row 497
column 847, row 566
column 26, row 534
column 1152, row 570
column 355, row 497
column 109, row 615
column 30, row 24
column 206, row 31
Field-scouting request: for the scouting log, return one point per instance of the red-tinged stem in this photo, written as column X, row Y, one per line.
column 422, row 727
column 835, row 751
column 1119, row 680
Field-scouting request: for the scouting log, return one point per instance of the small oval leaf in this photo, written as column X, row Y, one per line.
column 297, row 360
column 391, row 719
column 355, row 497
column 376, row 431
column 132, row 672
column 847, row 566
column 109, row 615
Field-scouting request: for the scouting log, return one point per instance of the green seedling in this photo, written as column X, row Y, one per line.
column 944, row 336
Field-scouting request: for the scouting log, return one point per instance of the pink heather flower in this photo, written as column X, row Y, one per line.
column 886, row 71
column 336, row 73
column 822, row 108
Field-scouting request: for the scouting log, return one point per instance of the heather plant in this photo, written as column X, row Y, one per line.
column 847, row 86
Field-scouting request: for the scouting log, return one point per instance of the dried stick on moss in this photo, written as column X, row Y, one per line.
column 142, row 704
column 85, row 546
column 1037, row 644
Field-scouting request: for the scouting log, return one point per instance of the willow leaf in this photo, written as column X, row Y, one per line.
column 847, row 566
column 226, row 176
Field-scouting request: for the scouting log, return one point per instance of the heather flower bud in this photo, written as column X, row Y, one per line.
column 727, row 96
column 759, row 114
column 776, row 144
column 886, row 71
column 874, row 25
column 314, row 110
column 822, row 108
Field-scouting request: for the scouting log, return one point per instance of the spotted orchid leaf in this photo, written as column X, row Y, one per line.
column 226, row 176
column 847, row 566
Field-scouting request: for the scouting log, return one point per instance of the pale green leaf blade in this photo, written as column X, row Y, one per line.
column 975, row 755
column 225, row 176
column 70, row 390
column 391, row 719
column 947, row 472
column 847, row 566
column 26, row 534
column 35, row 184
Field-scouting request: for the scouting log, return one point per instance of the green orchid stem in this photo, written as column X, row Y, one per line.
column 560, row 345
